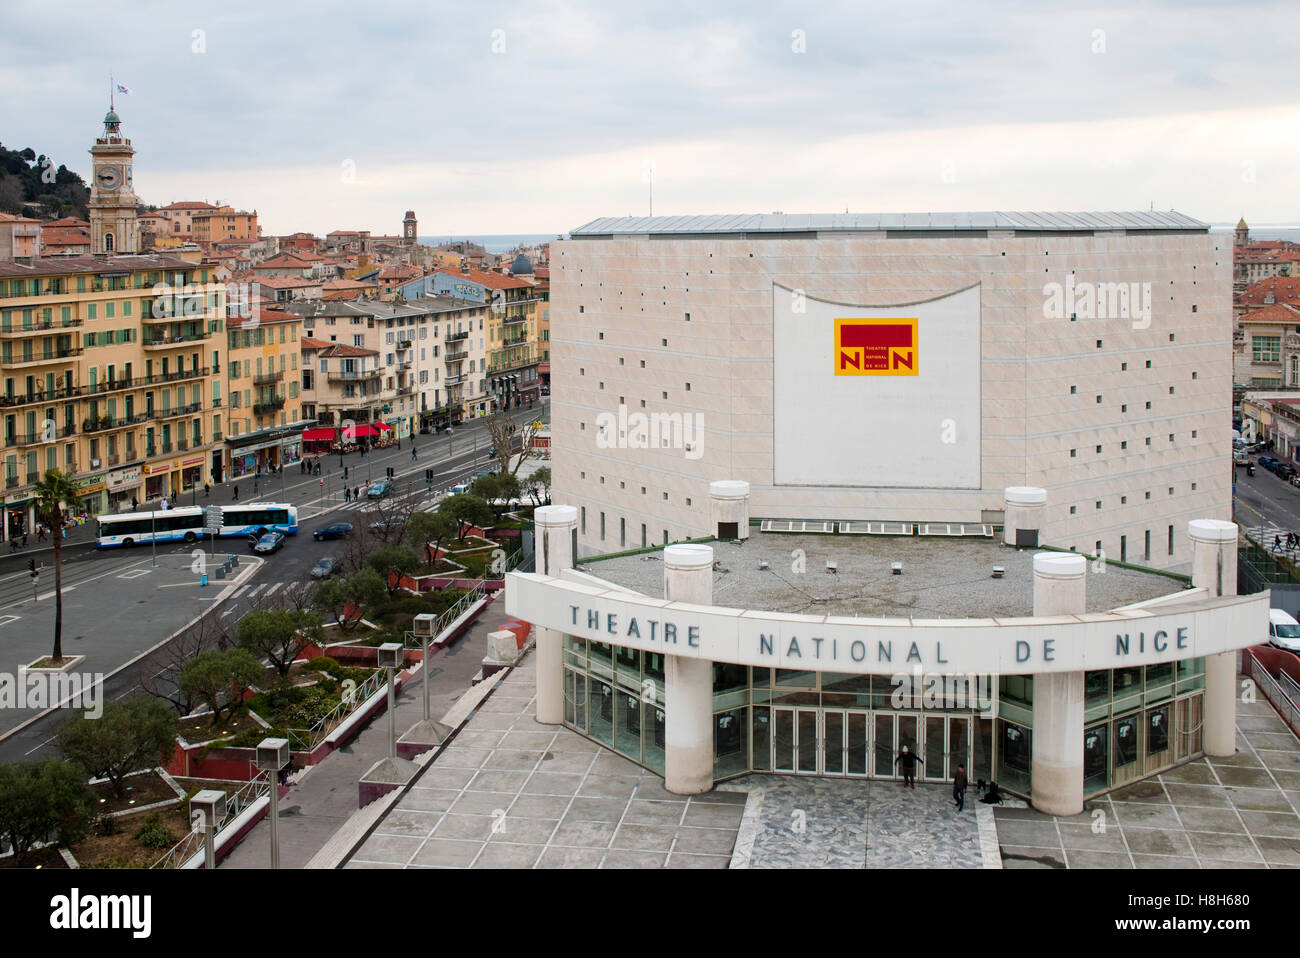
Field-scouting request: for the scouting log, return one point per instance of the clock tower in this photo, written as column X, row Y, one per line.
column 113, row 226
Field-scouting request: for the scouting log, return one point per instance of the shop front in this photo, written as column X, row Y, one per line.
column 92, row 495
column 19, row 518
column 157, row 476
column 123, row 488
column 191, row 473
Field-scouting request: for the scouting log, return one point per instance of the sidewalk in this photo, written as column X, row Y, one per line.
column 326, row 795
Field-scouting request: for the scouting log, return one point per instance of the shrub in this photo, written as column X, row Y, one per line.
column 322, row 663
column 154, row 833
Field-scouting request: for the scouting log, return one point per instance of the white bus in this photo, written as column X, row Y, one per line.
column 186, row 523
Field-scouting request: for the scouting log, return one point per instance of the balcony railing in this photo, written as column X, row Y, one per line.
column 116, row 384
column 354, row 374
column 41, row 397
column 511, row 320
column 457, row 356
column 104, row 422
column 453, row 380
column 40, row 327
column 404, row 344
column 263, row 378
column 49, row 356
column 163, row 342
column 216, row 435
column 114, row 459
column 178, row 411
column 453, row 337
column 11, row 482
column 182, row 444
column 262, row 408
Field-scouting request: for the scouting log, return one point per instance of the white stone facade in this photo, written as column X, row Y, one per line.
column 617, row 301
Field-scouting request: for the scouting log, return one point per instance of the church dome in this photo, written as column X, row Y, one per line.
column 521, row 266
column 111, row 117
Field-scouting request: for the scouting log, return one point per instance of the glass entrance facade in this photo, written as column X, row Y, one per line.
column 1137, row 721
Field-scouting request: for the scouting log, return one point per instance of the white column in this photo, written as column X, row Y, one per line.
column 553, row 548
column 688, row 682
column 1214, row 568
column 1023, row 508
column 1060, row 588
column 729, row 502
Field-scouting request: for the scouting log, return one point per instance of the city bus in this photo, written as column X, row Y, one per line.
column 186, row 523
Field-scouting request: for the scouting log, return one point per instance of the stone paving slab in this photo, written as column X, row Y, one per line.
column 1239, row 811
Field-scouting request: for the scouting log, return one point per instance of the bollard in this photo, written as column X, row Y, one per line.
column 221, row 572
column 233, row 560
column 203, row 579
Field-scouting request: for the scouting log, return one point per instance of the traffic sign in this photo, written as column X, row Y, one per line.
column 212, row 519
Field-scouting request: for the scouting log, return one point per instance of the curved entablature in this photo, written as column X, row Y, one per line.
column 1182, row 626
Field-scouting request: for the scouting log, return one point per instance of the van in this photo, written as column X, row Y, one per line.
column 1283, row 630
column 458, row 488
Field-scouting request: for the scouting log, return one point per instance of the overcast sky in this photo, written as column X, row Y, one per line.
column 540, row 116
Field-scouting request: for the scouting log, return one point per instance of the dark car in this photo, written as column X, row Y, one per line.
column 379, row 489
column 336, row 531
column 1268, row 462
column 326, row 567
column 269, row 543
column 256, row 534
column 1285, row 470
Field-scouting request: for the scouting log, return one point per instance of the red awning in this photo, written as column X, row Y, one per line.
column 360, row 431
column 380, row 425
column 316, row 435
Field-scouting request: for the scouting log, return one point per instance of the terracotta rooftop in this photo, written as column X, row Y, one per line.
column 335, row 349
column 490, row 280
column 64, row 265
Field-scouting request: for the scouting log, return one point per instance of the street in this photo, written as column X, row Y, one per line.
column 106, row 592
column 1263, row 501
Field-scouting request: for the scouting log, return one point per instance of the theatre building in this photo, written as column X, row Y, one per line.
column 940, row 501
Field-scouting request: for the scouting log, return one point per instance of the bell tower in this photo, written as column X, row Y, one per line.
column 409, row 227
column 113, row 225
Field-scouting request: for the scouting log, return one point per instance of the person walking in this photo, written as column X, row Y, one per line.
column 134, row 504
column 1277, row 543
column 412, row 453
column 959, row 788
column 256, row 476
column 907, row 760
column 347, row 494
column 356, row 491
column 206, row 490
column 235, row 490
column 40, row 533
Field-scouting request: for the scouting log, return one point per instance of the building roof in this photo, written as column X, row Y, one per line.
column 1281, row 288
column 483, row 278
column 1032, row 222
column 264, row 317
column 334, row 349
column 69, row 221
column 287, row 260
column 287, row 282
column 63, row 265
column 187, row 205
column 1283, row 313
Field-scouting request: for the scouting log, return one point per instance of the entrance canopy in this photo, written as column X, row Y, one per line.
column 317, row 435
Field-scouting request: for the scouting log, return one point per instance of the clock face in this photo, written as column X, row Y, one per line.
column 109, row 177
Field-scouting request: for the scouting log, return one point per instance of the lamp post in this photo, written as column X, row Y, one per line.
column 390, row 659
column 210, row 807
column 273, row 755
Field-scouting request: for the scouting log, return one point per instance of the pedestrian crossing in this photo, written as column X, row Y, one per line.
column 262, row 590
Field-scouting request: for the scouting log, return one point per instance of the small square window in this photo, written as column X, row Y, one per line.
column 1193, row 487
column 1074, row 453
column 1099, row 344
column 1123, row 500
column 1148, row 364
column 1124, row 408
column 1099, row 450
column 1072, row 510
column 1123, row 367
column 665, row 497
column 1098, row 503
column 1148, row 495
column 1098, row 399
column 1073, row 390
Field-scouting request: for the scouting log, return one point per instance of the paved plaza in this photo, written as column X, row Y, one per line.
column 1236, row 812
column 511, row 793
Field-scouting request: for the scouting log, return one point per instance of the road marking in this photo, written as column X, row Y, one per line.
column 256, row 589
column 274, row 586
column 50, row 594
column 6, row 619
column 229, row 610
column 240, row 591
column 134, row 573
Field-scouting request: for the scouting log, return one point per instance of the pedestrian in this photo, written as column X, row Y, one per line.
column 907, row 760
column 347, row 494
column 1277, row 543
column 992, row 796
column 24, row 540
column 356, row 490
column 206, row 489
column 40, row 533
column 255, row 478
column 413, row 454
column 302, row 466
column 235, row 490
column 959, row 788
column 134, row 504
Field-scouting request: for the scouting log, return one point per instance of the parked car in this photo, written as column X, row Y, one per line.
column 379, row 489
column 336, row 531
column 1283, row 630
column 269, row 543
column 387, row 525
column 458, row 488
column 1285, row 470
column 1268, row 462
column 326, row 567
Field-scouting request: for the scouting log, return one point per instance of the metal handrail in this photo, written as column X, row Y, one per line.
column 458, row 609
column 192, row 844
column 1256, row 670
column 306, row 740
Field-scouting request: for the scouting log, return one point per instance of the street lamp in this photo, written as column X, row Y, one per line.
column 210, row 804
column 390, row 659
column 273, row 755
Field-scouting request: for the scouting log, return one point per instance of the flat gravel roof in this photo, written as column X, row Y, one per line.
column 941, row 578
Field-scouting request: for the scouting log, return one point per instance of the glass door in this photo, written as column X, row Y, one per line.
column 806, row 739
column 858, row 744
column 783, row 744
column 796, row 744
column 934, row 768
column 885, row 725
column 833, row 728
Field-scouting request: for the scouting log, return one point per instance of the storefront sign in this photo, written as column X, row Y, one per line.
column 89, row 484
column 154, row 468
column 196, row 461
column 124, row 478
column 882, row 646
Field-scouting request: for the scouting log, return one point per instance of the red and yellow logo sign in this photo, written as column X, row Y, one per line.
column 875, row 347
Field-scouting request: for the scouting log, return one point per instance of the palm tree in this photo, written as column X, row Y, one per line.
column 52, row 493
